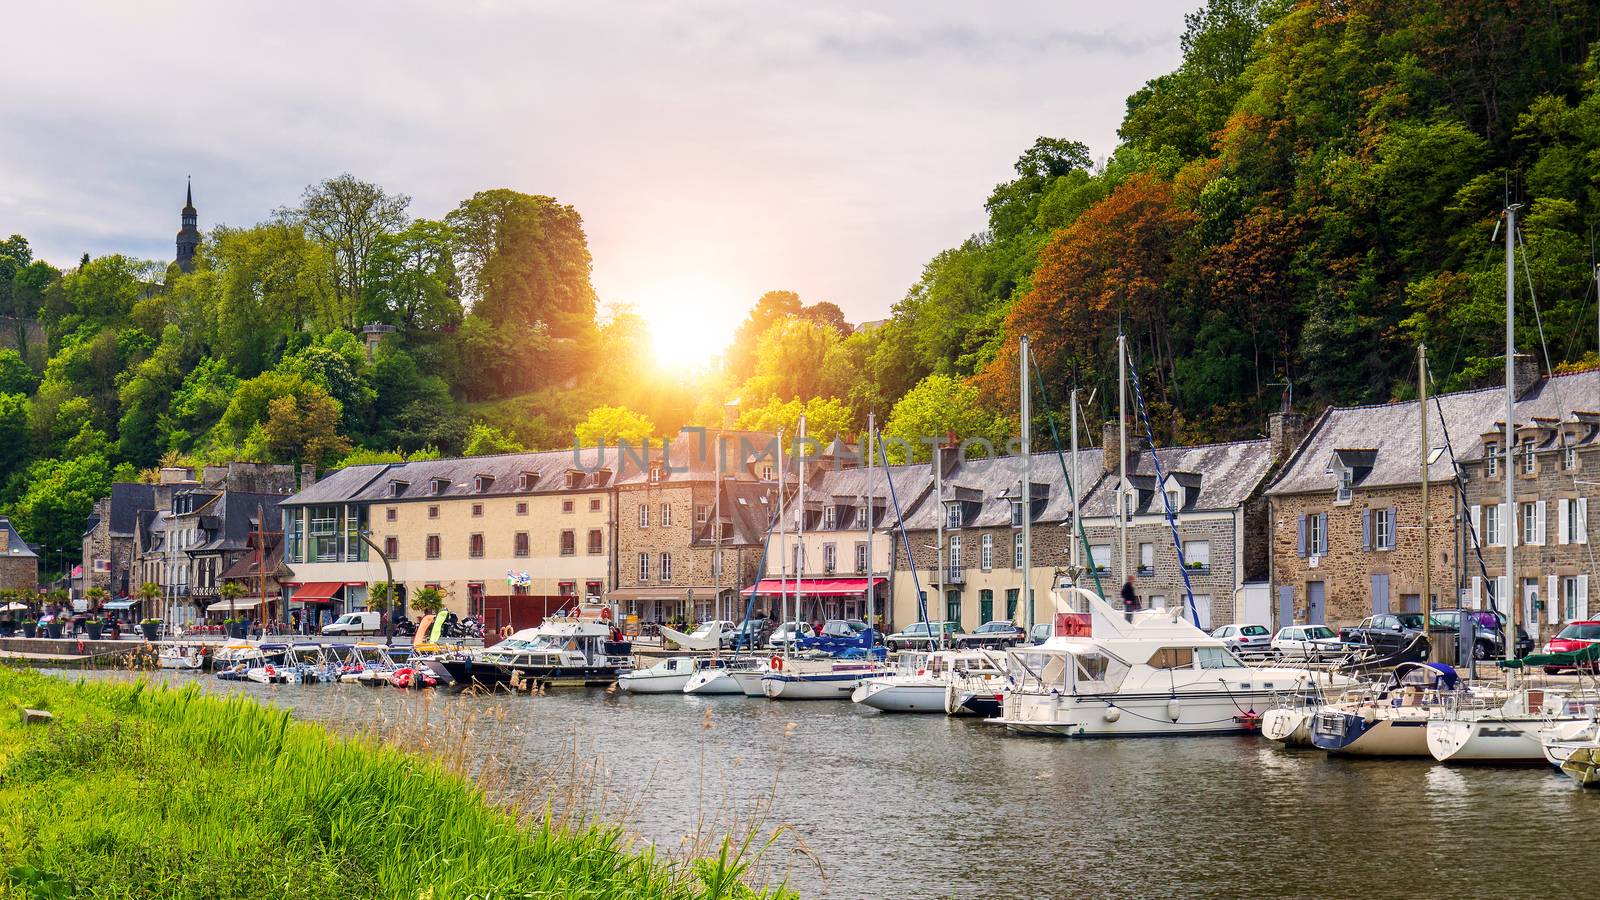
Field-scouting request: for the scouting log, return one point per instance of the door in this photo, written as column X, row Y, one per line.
column 952, row 607
column 1285, row 606
column 985, row 607
column 1380, row 594
column 1411, row 603
column 1530, row 606
column 1316, row 603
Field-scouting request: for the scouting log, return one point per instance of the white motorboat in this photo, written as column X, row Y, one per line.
column 824, row 679
column 1391, row 719
column 575, row 650
column 931, row 682
column 181, row 656
column 709, row 636
column 668, row 676
column 1101, row 675
column 749, row 680
column 1509, row 733
column 720, row 676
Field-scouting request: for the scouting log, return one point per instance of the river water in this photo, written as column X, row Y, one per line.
column 877, row 805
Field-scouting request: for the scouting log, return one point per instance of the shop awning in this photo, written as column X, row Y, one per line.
column 813, row 587
column 317, row 592
column 668, row 594
column 119, row 604
column 234, row 605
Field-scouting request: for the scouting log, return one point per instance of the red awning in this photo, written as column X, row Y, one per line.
column 816, row 587
column 317, row 592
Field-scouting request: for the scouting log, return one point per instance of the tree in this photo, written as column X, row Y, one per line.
column 935, row 408
column 826, row 418
column 148, row 593
column 57, row 497
column 16, row 376
column 13, row 432
column 828, row 314
column 349, row 216
column 305, row 429
column 337, row 363
column 789, row 360
column 261, row 285
column 770, row 308
column 611, row 424
column 524, row 260
column 232, row 590
column 411, row 279
column 483, row 440
column 428, row 601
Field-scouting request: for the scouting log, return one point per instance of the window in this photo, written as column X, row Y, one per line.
column 594, row 504
column 830, row 516
column 477, row 510
column 1016, row 514
column 1147, row 559
column 1128, row 506
column 591, row 588
column 953, row 561
column 324, row 533
column 1569, row 456
column 433, row 512
column 482, row 483
column 1530, row 523
column 1197, row 555
column 522, row 508
column 519, row 544
column 527, row 480
column 1383, row 529
column 1217, row 658
column 440, row 485
column 1572, row 524
column 702, row 512
column 1491, row 459
column 1012, row 595
column 1527, row 456
column 1346, row 488
column 390, row 514
column 1016, row 550
column 569, row 542
column 1172, row 501
column 475, row 546
column 644, row 516
column 861, row 556
column 986, row 552
column 1172, row 658
column 861, row 516
column 666, row 516
column 766, row 472
column 1100, row 556
column 1491, row 525
column 644, row 567
column 830, row 558
column 1574, row 605
column 433, row 546
column 952, row 515
column 398, row 488
column 1317, row 534
column 391, row 547
column 597, row 544
column 666, row 567
column 566, row 506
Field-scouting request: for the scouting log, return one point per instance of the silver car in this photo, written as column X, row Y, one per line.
column 1248, row 640
column 1307, row 642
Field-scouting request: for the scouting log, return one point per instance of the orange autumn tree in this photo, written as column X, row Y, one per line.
column 1117, row 260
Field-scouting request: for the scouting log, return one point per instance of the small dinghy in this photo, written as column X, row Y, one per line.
column 189, row 657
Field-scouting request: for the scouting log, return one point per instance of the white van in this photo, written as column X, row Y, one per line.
column 366, row 622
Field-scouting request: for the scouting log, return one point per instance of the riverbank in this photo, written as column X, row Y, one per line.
column 144, row 790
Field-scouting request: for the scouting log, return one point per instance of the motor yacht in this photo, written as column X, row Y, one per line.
column 719, row 675
column 561, row 650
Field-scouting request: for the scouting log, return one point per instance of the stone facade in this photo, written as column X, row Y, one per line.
column 1161, row 585
column 19, row 565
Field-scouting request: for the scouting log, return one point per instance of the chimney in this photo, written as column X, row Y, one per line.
column 176, row 475
column 948, row 453
column 308, row 475
column 1527, row 372
column 1111, row 441
column 1285, row 431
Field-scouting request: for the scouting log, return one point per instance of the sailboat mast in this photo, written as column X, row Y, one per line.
column 1427, row 511
column 1026, row 497
column 1509, row 518
column 799, row 537
column 872, row 597
column 783, row 536
column 1122, row 452
column 1073, row 541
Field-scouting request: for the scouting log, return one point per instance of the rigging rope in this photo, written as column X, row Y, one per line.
column 1166, row 503
column 911, row 562
column 1072, row 490
column 1527, row 273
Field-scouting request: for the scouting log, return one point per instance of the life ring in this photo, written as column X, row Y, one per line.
column 606, row 614
column 776, row 663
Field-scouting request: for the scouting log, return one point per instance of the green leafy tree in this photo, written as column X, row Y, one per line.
column 57, row 497
column 305, row 428
column 790, row 358
column 483, row 440
column 612, row 424
column 349, row 217
column 770, row 308
column 524, row 259
column 936, row 407
column 411, row 279
column 826, row 418
column 428, row 601
column 16, row 376
column 13, row 432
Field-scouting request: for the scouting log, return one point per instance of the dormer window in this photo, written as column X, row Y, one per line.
column 1016, row 514
column 952, row 515
column 1346, row 488
column 830, row 516
column 766, row 472
column 1527, row 456
column 527, row 480
column 575, row 478
column 655, row 472
column 1491, row 459
column 482, row 483
column 440, row 485
column 861, row 516
column 1569, row 456
column 1174, row 501
column 398, row 488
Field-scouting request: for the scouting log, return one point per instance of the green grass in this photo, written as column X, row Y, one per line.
column 142, row 790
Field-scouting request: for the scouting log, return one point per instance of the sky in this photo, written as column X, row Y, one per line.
column 715, row 149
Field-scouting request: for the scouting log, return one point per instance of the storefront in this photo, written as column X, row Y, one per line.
column 820, row 598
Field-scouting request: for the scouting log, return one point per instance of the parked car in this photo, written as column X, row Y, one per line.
column 366, row 622
column 999, row 633
column 1388, row 634
column 751, row 633
column 1488, row 631
column 843, row 628
column 789, row 632
column 1576, row 636
column 922, row 634
column 1307, row 642
column 1245, row 639
column 1040, row 633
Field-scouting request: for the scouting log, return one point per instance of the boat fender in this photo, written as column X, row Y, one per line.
column 1174, row 709
column 1112, row 714
column 1369, row 715
column 776, row 662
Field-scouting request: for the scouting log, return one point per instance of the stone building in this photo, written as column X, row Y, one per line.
column 472, row 527
column 19, row 565
column 964, row 536
column 1346, row 510
column 1215, row 494
column 108, row 542
column 692, row 518
column 1556, row 467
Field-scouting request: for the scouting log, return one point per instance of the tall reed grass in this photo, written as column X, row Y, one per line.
column 144, row 790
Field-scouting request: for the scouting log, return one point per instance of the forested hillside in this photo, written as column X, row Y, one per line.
column 1309, row 195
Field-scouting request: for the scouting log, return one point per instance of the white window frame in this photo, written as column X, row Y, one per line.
column 952, row 514
column 1491, row 459
column 666, row 566
column 702, row 512
column 861, row 516
column 1493, row 535
column 1147, row 557
column 1316, row 538
column 830, row 516
column 1016, row 550
column 1016, row 514
column 830, row 557
column 1193, row 550
column 1382, row 529
column 1096, row 551
column 861, row 556
column 644, row 515
column 953, row 561
column 1569, row 456
column 644, row 566
column 1527, row 456
column 986, row 552
column 666, row 515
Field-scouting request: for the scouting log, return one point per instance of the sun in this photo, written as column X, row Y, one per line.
column 688, row 327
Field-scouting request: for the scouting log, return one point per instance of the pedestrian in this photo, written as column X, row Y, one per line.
column 1130, row 600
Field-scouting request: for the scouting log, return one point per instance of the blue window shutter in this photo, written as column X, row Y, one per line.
column 1322, row 535
column 1394, row 527
column 1366, row 529
column 1302, row 535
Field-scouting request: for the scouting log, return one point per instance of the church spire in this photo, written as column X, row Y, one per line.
column 189, row 234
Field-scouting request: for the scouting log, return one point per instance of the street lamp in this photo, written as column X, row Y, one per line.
column 388, row 573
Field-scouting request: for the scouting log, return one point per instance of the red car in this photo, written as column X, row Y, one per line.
column 1575, row 636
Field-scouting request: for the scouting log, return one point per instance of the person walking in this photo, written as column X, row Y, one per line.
column 1130, row 599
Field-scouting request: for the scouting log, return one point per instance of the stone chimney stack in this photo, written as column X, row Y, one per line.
column 1111, row 441
column 308, row 475
column 1285, row 431
column 1527, row 372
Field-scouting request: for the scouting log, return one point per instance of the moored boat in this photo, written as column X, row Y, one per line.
column 825, row 679
column 1509, row 733
column 719, row 676
column 1391, row 720
column 668, row 676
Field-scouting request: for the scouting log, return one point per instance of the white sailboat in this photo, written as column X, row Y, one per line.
column 1510, row 732
column 668, row 676
column 926, row 682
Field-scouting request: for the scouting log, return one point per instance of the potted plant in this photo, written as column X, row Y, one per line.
column 232, row 591
column 30, row 627
column 56, row 628
column 150, row 627
column 93, row 625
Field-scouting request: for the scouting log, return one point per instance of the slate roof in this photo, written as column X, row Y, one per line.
column 694, row 451
column 14, row 546
column 748, row 508
column 848, row 488
column 245, row 566
column 127, row 500
column 1559, row 399
column 371, row 483
column 995, row 482
column 1227, row 474
column 229, row 519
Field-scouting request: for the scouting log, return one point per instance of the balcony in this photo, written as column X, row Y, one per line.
column 955, row 575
